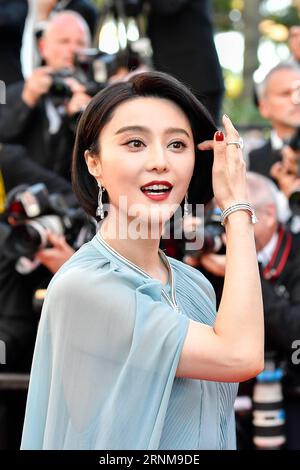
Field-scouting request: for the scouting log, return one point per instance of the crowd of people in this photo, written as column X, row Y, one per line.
column 54, row 128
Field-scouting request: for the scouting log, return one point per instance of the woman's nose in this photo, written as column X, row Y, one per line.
column 157, row 160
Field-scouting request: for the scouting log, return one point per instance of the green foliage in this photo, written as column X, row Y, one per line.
column 222, row 6
column 243, row 112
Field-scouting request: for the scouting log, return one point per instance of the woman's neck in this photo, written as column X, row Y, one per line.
column 143, row 252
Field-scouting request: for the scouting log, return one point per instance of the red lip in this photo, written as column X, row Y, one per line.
column 151, row 183
column 157, row 197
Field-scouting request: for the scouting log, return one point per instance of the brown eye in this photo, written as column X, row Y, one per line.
column 177, row 145
column 135, row 143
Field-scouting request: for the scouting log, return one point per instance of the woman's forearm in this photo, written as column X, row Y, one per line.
column 240, row 320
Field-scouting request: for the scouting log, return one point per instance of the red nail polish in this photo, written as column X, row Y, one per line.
column 219, row 136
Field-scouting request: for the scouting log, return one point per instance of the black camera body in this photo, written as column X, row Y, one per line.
column 210, row 234
column 93, row 69
column 30, row 213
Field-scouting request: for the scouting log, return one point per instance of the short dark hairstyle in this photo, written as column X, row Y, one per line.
column 100, row 111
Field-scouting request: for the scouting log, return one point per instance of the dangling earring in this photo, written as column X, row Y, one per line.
column 186, row 206
column 100, row 211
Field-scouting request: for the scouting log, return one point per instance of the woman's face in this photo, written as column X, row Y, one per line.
column 146, row 158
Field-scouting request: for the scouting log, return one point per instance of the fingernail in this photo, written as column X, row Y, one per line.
column 225, row 115
column 219, row 136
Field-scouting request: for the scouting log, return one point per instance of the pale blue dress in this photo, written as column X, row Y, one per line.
column 107, row 349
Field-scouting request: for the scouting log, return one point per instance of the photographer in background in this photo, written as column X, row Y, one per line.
column 279, row 102
column 32, row 117
column 20, row 291
column 278, row 158
column 286, row 173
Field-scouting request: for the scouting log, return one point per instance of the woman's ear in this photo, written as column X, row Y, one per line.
column 93, row 164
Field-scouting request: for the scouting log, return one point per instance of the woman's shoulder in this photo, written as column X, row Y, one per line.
column 87, row 268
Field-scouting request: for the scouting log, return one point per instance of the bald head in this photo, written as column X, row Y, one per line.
column 278, row 74
column 263, row 197
column 261, row 191
column 67, row 33
column 279, row 98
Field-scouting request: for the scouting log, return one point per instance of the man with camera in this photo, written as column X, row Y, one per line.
column 39, row 231
column 279, row 157
column 35, row 116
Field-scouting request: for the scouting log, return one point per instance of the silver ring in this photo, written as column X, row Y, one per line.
column 239, row 143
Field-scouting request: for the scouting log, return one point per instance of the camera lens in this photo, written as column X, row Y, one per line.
column 25, row 240
column 268, row 411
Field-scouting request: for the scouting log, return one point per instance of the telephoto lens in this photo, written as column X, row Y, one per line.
column 268, row 411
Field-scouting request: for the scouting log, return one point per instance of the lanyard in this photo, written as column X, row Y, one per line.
column 280, row 255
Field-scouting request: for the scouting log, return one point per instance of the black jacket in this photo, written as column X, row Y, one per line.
column 181, row 34
column 18, row 320
column 12, row 20
column 29, row 127
column 281, row 298
column 262, row 159
column 18, row 169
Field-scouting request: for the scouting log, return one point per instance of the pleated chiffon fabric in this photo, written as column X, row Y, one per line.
column 107, row 350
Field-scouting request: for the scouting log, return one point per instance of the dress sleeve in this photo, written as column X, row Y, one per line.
column 113, row 356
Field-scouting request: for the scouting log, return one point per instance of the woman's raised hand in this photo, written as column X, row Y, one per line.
column 229, row 168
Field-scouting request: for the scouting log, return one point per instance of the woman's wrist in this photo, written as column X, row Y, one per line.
column 238, row 220
column 238, row 206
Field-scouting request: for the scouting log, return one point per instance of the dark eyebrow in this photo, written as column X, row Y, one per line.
column 132, row 128
column 170, row 130
column 175, row 130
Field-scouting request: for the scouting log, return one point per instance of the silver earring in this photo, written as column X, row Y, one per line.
column 100, row 211
column 186, row 206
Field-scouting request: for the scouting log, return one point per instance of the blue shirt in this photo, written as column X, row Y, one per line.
column 107, row 350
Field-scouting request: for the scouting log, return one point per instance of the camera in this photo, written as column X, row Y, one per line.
column 210, row 233
column 93, row 69
column 213, row 231
column 268, row 406
column 30, row 213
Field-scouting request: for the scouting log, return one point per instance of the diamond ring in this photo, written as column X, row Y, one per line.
column 239, row 143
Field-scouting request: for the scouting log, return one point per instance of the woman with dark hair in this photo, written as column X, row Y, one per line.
column 130, row 353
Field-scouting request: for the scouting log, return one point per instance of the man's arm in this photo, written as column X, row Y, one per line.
column 22, row 99
column 14, row 115
column 17, row 169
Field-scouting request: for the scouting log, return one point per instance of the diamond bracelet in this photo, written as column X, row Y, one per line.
column 239, row 206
